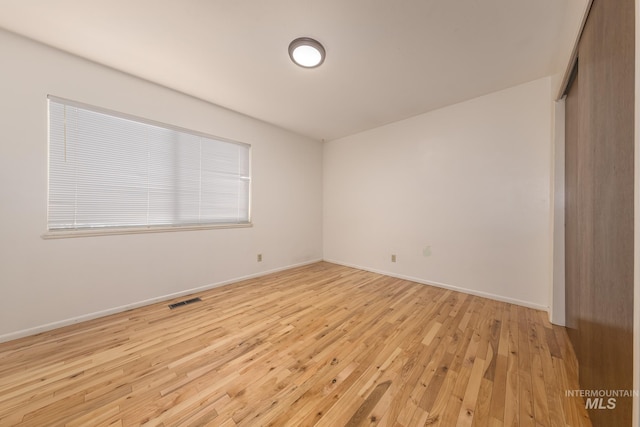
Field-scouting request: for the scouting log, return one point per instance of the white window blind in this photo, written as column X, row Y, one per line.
column 110, row 171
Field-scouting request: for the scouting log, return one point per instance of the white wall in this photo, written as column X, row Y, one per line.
column 46, row 283
column 461, row 195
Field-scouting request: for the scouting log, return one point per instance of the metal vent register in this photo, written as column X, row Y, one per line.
column 181, row 303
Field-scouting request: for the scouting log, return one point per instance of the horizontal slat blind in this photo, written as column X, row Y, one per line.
column 111, row 171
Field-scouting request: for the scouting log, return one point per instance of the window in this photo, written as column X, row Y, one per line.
column 111, row 171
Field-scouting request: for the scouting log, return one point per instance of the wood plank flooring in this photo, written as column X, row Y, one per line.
column 320, row 345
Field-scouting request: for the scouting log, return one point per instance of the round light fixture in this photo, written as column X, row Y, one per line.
column 306, row 52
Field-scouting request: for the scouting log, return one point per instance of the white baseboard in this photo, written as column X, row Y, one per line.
column 102, row 313
column 66, row 322
column 446, row 286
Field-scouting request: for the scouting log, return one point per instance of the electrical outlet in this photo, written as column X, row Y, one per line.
column 259, row 257
column 393, row 258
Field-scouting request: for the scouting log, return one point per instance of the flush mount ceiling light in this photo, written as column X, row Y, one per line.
column 306, row 52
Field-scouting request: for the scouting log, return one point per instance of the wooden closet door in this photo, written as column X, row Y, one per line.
column 599, row 206
column 572, row 202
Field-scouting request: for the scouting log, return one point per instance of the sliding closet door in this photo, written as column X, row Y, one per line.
column 599, row 206
column 572, row 223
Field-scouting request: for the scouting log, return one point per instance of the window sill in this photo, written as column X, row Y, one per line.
column 93, row 232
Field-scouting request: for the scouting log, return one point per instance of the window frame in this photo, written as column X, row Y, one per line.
column 139, row 229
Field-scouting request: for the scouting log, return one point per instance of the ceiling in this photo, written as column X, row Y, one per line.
column 387, row 60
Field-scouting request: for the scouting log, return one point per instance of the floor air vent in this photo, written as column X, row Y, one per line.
column 181, row 303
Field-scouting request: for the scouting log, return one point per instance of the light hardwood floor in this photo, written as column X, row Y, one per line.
column 317, row 345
